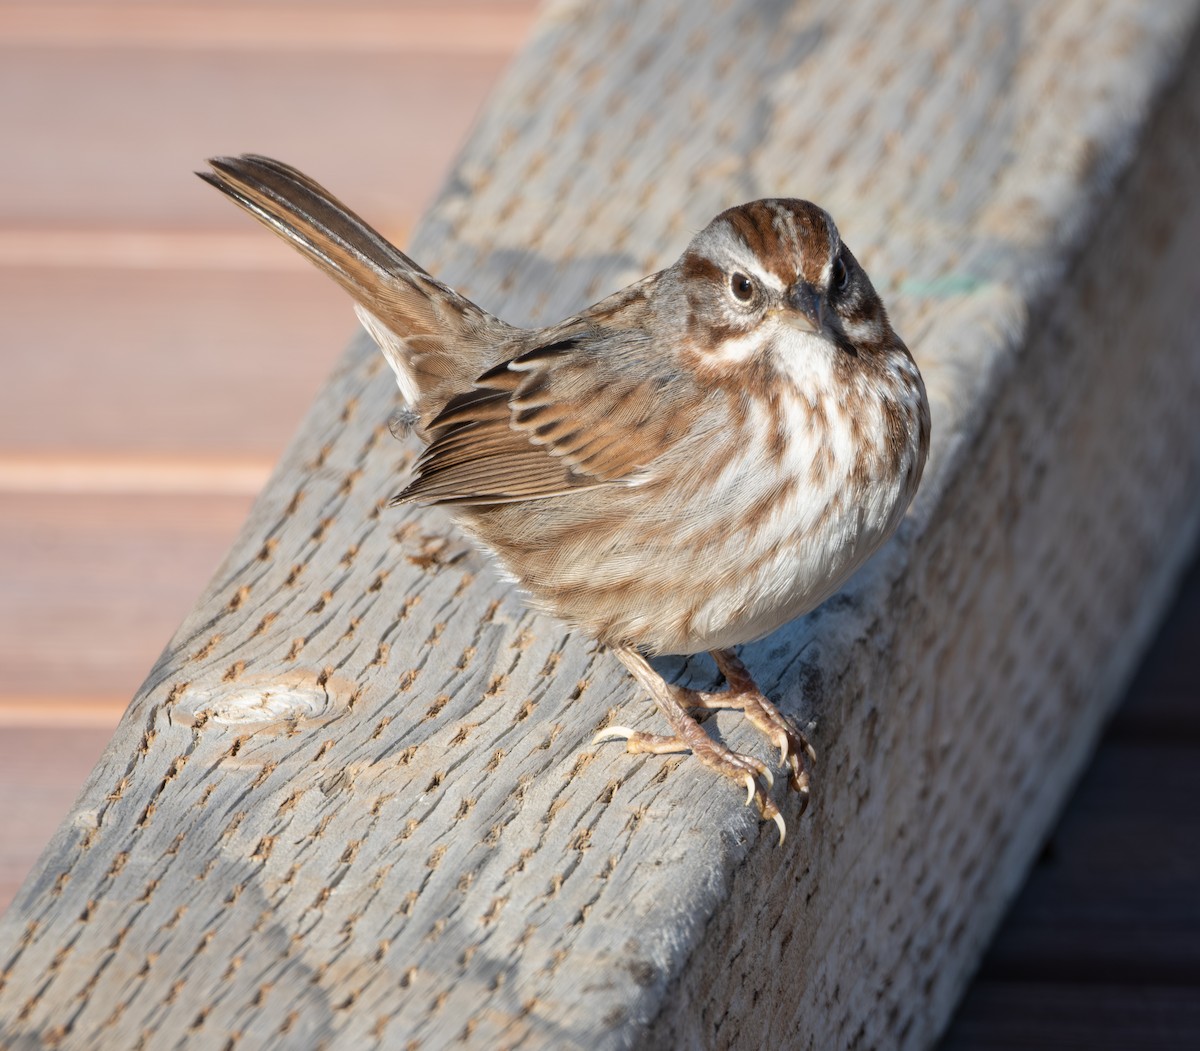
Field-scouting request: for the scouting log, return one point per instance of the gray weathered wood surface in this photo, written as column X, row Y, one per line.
column 354, row 802
column 1101, row 948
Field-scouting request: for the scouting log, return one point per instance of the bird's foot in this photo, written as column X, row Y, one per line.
column 742, row 693
column 744, row 769
column 690, row 736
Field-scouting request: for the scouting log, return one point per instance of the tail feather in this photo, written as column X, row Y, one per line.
column 434, row 339
column 317, row 223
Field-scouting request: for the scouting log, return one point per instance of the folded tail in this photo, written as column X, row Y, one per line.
column 436, row 340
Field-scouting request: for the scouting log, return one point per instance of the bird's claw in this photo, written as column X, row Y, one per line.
column 766, row 807
column 689, row 735
column 613, row 733
column 794, row 748
column 753, row 775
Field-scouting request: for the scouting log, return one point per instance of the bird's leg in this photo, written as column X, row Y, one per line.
column 743, row 693
column 687, row 735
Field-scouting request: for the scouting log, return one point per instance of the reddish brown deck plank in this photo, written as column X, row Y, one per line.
column 142, row 363
column 123, row 155
column 94, row 586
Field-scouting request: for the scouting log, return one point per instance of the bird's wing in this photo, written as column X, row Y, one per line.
column 579, row 412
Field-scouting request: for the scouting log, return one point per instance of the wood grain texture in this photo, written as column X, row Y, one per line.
column 353, row 805
column 1110, row 917
column 1102, row 945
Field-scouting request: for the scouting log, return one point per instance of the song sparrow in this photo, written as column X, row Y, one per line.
column 683, row 467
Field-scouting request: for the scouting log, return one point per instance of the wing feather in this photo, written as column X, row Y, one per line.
column 576, row 413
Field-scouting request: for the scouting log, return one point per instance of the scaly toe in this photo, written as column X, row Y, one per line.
column 639, row 743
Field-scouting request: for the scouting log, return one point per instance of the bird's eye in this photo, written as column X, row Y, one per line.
column 741, row 286
column 841, row 276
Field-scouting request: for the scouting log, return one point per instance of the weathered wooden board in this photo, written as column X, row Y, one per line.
column 354, row 802
column 1101, row 948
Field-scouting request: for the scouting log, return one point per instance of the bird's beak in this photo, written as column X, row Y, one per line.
column 807, row 304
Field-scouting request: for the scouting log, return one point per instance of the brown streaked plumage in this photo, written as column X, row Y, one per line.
column 683, row 467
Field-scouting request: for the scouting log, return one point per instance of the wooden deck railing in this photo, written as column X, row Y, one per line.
column 354, row 803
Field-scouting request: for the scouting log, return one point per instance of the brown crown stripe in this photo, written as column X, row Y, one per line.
column 764, row 228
